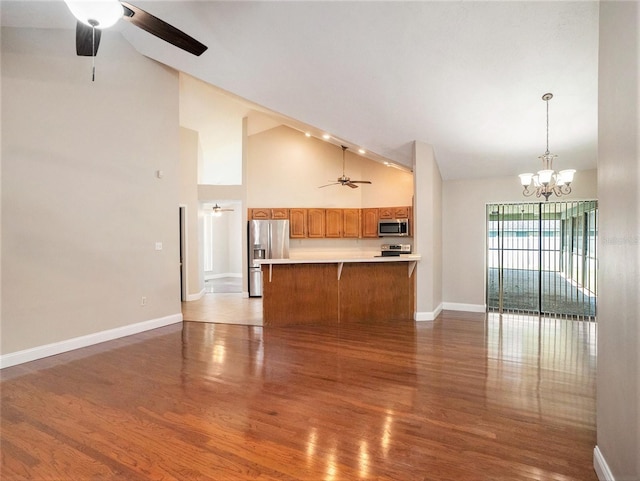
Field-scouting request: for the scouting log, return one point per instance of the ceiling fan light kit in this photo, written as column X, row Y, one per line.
column 547, row 182
column 94, row 15
column 98, row 14
column 344, row 180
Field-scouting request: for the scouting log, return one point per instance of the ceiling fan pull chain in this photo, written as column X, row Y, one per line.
column 94, row 24
column 93, row 51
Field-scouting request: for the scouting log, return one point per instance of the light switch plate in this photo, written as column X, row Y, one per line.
column 158, row 246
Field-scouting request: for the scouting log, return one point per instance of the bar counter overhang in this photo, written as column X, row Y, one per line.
column 338, row 290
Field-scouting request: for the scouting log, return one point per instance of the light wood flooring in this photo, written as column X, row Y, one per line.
column 462, row 398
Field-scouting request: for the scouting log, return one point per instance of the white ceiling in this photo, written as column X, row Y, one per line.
column 464, row 76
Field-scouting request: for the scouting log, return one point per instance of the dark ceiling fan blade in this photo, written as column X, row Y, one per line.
column 85, row 45
column 351, row 184
column 360, row 181
column 162, row 29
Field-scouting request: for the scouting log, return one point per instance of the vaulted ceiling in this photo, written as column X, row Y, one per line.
column 464, row 76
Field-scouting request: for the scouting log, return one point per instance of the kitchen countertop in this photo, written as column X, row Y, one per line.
column 340, row 260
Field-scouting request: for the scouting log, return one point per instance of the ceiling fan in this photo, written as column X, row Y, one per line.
column 95, row 15
column 217, row 210
column 344, row 180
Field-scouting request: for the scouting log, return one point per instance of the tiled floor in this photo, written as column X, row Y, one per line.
column 223, row 284
column 224, row 308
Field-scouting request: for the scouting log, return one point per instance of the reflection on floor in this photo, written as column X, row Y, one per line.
column 462, row 398
column 224, row 308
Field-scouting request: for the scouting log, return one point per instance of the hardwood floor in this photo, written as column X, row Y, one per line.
column 462, row 398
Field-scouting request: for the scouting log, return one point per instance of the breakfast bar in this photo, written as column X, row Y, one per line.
column 338, row 290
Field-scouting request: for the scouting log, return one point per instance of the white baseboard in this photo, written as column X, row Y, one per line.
column 195, row 297
column 601, row 467
column 221, row 276
column 455, row 306
column 428, row 316
column 34, row 353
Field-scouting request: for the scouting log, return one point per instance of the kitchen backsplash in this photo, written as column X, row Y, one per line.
column 337, row 248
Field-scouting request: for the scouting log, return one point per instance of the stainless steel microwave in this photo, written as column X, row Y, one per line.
column 393, row 227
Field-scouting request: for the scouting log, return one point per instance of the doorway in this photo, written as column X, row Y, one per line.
column 182, row 219
column 222, row 246
column 541, row 258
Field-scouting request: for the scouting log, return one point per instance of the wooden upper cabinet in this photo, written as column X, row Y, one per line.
column 315, row 223
column 259, row 214
column 401, row 212
column 370, row 222
column 385, row 213
column 266, row 213
column 333, row 226
column 297, row 223
column 394, row 212
column 334, row 223
column 351, row 223
column 280, row 213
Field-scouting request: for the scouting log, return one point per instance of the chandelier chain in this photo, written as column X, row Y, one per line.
column 547, row 101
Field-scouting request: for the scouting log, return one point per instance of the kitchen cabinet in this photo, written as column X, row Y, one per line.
column 334, row 223
column 279, row 213
column 370, row 222
column 336, row 293
column 297, row 223
column 394, row 212
column 333, row 226
column 259, row 214
column 315, row 223
column 266, row 213
column 402, row 212
column 351, row 223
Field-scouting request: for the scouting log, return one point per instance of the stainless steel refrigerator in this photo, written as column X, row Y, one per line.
column 268, row 239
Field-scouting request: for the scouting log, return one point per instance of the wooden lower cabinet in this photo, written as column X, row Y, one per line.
column 313, row 294
column 299, row 294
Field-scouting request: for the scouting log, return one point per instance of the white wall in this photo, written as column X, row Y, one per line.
column 217, row 117
column 428, row 232
column 82, row 207
column 617, row 457
column 285, row 169
column 464, row 231
column 190, row 153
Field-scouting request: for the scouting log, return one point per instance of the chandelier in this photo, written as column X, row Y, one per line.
column 547, row 181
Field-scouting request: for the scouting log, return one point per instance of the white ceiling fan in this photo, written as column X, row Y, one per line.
column 217, row 210
column 344, row 180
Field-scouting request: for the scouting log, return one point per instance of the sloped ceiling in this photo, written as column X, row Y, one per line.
column 464, row 76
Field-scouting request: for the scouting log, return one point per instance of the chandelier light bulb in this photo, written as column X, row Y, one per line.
column 545, row 176
column 525, row 179
column 567, row 175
